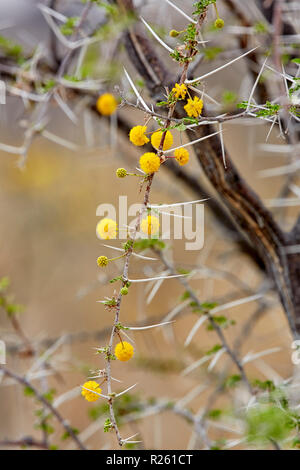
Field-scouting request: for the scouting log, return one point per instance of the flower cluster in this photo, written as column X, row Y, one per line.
column 106, row 104
column 179, row 91
column 150, row 225
column 137, row 135
column 182, row 156
column 149, row 162
column 161, row 139
column 124, row 351
column 194, row 107
column 107, row 229
column 157, row 137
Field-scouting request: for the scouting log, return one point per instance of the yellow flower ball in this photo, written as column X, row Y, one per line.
column 149, row 162
column 194, row 107
column 156, row 139
column 124, row 351
column 92, row 386
column 150, row 225
column 106, row 229
column 182, row 156
column 179, row 90
column 137, row 136
column 106, row 104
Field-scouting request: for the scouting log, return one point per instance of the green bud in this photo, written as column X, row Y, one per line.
column 219, row 23
column 173, row 33
column 121, row 172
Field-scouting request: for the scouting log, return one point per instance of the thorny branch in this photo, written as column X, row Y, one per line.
column 149, row 180
column 243, row 203
column 215, row 326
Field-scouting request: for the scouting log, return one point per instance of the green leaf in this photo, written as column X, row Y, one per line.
column 162, row 103
column 145, row 243
column 215, row 414
column 4, row 283
column 214, row 349
column 28, row 392
column 67, row 29
column 184, row 296
column 232, row 381
column 229, row 97
column 115, row 279
column 209, row 305
column 10, row 47
column 211, row 53
column 266, row 385
column 180, row 127
column 12, row 309
column 107, row 425
column 49, row 395
column 267, row 422
column 66, row 435
column 260, row 28
column 201, row 6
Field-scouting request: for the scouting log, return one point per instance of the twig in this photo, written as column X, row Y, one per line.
column 24, row 442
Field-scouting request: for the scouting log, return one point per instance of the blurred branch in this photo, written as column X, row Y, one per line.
column 23, row 381
column 210, row 317
column 24, row 442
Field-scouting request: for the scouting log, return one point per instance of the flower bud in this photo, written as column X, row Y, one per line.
column 173, row 33
column 219, row 23
column 121, row 172
column 102, row 261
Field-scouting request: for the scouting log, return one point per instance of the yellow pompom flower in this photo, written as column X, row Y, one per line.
column 106, row 104
column 182, row 156
column 121, row 172
column 102, row 261
column 179, row 90
column 92, row 387
column 137, row 136
column 156, row 139
column 150, row 225
column 124, row 351
column 106, row 229
column 149, row 162
column 194, row 107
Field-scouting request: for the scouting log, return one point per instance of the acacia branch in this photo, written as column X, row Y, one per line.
column 215, row 326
